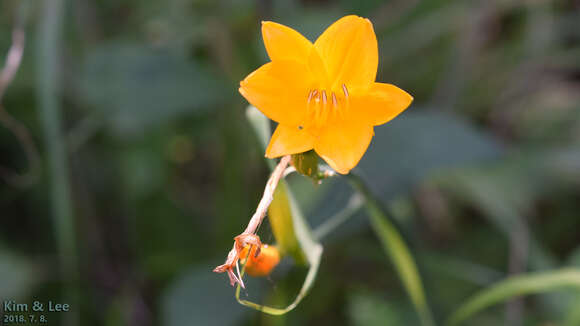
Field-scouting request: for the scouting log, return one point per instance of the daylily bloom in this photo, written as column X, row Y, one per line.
column 323, row 95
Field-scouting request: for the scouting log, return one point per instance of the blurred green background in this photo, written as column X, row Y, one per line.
column 482, row 172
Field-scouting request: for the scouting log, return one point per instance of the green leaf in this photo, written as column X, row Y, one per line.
column 503, row 193
column 280, row 215
column 572, row 311
column 17, row 275
column 134, row 86
column 372, row 309
column 417, row 144
column 573, row 315
column 200, row 298
column 288, row 225
column 395, row 246
column 517, row 286
column 506, row 190
column 407, row 151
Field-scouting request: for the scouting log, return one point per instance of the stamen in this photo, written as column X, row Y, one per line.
column 319, row 112
column 346, row 107
column 345, row 90
column 317, row 109
column 308, row 103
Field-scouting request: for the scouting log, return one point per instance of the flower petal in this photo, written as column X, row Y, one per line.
column 289, row 140
column 316, row 66
column 343, row 145
column 279, row 89
column 284, row 43
column 350, row 51
column 381, row 104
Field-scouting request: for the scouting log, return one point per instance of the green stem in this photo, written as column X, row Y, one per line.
column 49, row 85
column 332, row 223
column 395, row 246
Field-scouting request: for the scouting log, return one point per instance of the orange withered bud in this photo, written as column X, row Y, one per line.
column 263, row 263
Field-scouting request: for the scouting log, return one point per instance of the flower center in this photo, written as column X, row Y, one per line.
column 323, row 105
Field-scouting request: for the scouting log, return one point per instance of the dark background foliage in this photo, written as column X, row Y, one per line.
column 482, row 172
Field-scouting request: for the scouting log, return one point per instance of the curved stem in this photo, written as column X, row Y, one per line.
column 7, row 74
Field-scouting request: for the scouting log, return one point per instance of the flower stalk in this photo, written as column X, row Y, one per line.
column 249, row 236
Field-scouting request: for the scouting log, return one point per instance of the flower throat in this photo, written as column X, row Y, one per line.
column 322, row 106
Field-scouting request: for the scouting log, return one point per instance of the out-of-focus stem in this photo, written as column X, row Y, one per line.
column 7, row 73
column 49, row 86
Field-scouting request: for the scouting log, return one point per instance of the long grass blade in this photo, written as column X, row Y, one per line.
column 514, row 287
column 397, row 249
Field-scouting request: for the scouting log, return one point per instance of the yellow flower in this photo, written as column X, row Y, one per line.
column 323, row 95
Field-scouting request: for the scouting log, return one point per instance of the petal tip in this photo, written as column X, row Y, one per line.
column 357, row 18
column 351, row 17
column 271, row 155
column 333, row 164
column 268, row 153
column 410, row 98
column 341, row 170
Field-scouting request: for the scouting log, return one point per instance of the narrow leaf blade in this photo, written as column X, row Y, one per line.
column 516, row 286
column 395, row 246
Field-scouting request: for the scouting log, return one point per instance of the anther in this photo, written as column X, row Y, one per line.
column 324, row 97
column 345, row 90
column 310, row 95
column 334, row 101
